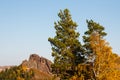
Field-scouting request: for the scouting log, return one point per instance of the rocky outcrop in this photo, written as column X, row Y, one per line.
column 39, row 63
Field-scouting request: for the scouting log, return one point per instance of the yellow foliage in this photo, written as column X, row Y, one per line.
column 25, row 68
column 77, row 78
column 18, row 78
column 105, row 66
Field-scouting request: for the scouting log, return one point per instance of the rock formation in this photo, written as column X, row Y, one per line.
column 39, row 63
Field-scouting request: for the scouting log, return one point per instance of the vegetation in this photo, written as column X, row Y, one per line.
column 104, row 64
column 65, row 46
column 94, row 60
column 16, row 73
column 23, row 73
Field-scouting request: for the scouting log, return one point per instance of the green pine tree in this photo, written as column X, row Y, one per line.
column 66, row 47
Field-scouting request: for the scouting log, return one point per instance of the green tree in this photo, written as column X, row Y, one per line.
column 93, row 28
column 66, row 48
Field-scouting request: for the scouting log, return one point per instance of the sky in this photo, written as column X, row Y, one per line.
column 26, row 25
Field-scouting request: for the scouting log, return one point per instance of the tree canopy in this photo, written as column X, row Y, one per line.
column 92, row 60
column 65, row 46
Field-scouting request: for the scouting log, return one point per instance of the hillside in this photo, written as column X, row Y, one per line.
column 35, row 68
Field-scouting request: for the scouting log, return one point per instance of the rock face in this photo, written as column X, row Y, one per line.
column 39, row 63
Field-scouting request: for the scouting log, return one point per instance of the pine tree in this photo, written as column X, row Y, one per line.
column 93, row 28
column 66, row 47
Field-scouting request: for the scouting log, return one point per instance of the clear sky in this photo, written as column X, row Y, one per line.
column 25, row 25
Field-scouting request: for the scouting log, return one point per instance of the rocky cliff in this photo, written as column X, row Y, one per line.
column 39, row 63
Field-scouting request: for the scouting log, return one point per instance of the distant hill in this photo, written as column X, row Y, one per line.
column 2, row 68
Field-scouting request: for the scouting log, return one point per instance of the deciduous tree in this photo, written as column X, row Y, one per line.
column 104, row 64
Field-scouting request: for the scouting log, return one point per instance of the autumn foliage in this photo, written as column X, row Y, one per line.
column 17, row 73
column 92, row 60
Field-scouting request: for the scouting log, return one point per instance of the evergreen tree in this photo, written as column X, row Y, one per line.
column 66, row 48
column 93, row 28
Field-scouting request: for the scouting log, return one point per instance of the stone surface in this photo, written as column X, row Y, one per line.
column 39, row 63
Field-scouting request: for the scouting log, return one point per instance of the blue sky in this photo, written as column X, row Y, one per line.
column 25, row 25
